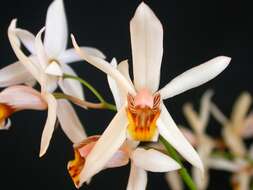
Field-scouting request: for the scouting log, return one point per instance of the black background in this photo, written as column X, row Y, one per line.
column 194, row 31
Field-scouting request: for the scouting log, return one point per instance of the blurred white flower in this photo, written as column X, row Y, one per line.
column 144, row 116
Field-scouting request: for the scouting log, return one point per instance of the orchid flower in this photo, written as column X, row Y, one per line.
column 56, row 56
column 60, row 109
column 141, row 161
column 17, row 98
column 144, row 116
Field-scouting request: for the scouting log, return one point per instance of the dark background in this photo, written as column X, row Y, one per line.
column 194, row 31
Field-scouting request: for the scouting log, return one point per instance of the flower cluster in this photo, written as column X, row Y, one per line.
column 142, row 117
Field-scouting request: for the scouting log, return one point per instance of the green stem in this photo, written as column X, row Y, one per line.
column 183, row 171
column 105, row 104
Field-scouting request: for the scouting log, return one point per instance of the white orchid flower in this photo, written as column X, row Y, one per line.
column 61, row 108
column 144, row 116
column 56, row 56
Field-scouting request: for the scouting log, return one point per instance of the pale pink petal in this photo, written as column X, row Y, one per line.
column 70, row 55
column 147, row 48
column 189, row 136
column 28, row 64
column 50, row 123
column 14, row 74
column 70, row 122
column 56, row 34
column 195, row 77
column 169, row 130
column 138, row 178
column 105, row 67
column 110, row 141
column 27, row 38
column 70, row 86
column 174, row 180
column 120, row 158
column 153, row 160
column 23, row 97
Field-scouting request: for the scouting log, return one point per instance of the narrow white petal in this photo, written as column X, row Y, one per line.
column 218, row 115
column 70, row 86
column 50, row 123
column 27, row 38
column 51, row 83
column 56, row 34
column 223, row 164
column 153, row 160
column 240, row 110
column 70, row 122
column 54, row 69
column 124, row 70
column 40, row 51
column 174, row 180
column 70, row 55
column 205, row 108
column 137, row 179
column 110, row 141
column 147, row 48
column 169, row 130
column 14, row 74
column 114, row 87
column 200, row 180
column 195, row 77
column 28, row 64
column 105, row 67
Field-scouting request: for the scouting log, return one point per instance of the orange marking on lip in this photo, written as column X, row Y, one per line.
column 5, row 112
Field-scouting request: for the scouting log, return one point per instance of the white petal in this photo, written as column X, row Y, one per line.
column 169, row 130
column 4, row 125
column 200, row 180
column 70, row 86
column 147, row 48
column 105, row 67
column 54, row 69
column 218, row 115
column 240, row 110
column 27, row 38
column 124, row 70
column 70, row 55
column 223, row 164
column 14, row 74
column 114, row 87
column 174, row 180
column 51, row 83
column 110, row 141
column 153, row 160
column 137, row 179
column 195, row 77
column 205, row 108
column 50, row 123
column 70, row 122
column 56, row 34
column 28, row 64
column 40, row 51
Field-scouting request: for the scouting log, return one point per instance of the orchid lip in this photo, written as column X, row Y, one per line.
column 5, row 112
column 143, row 110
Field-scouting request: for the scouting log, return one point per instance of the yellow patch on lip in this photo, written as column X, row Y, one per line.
column 5, row 112
column 75, row 167
column 142, row 124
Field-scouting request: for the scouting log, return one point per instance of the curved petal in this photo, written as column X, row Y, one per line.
column 110, row 141
column 124, row 70
column 114, row 87
column 223, row 164
column 153, row 160
column 105, row 67
column 195, row 77
column 137, row 179
column 169, row 130
column 147, row 48
column 28, row 64
column 70, row 55
column 205, row 107
column 56, row 34
column 23, row 97
column 14, row 74
column 70, row 86
column 174, row 180
column 50, row 123
column 27, row 38
column 70, row 122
